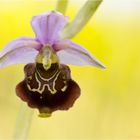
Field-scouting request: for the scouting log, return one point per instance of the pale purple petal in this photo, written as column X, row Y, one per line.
column 20, row 50
column 60, row 45
column 21, row 42
column 47, row 26
column 77, row 55
column 22, row 55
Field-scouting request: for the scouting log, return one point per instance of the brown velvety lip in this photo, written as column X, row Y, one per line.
column 50, row 102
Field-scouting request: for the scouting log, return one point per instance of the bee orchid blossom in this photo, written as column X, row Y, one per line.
column 48, row 85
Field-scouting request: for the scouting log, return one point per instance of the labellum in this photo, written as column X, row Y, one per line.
column 48, row 85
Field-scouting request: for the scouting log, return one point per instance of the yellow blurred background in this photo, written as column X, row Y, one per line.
column 109, row 106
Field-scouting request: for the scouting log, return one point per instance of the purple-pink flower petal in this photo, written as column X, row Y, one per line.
column 62, row 44
column 77, row 55
column 18, row 51
column 47, row 26
column 22, row 55
column 20, row 42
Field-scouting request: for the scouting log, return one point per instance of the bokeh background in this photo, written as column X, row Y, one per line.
column 109, row 106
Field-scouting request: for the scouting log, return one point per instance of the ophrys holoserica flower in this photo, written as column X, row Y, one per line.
column 48, row 85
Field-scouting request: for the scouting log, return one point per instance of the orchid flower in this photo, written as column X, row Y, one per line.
column 48, row 85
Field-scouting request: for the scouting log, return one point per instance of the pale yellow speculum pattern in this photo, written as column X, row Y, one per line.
column 64, row 88
column 41, row 90
column 45, row 79
column 52, row 90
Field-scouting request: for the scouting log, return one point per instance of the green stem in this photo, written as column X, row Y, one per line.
column 81, row 19
column 62, row 6
column 23, row 122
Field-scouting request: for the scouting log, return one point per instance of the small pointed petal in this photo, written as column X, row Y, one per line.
column 22, row 55
column 21, row 50
column 47, row 26
column 77, row 55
